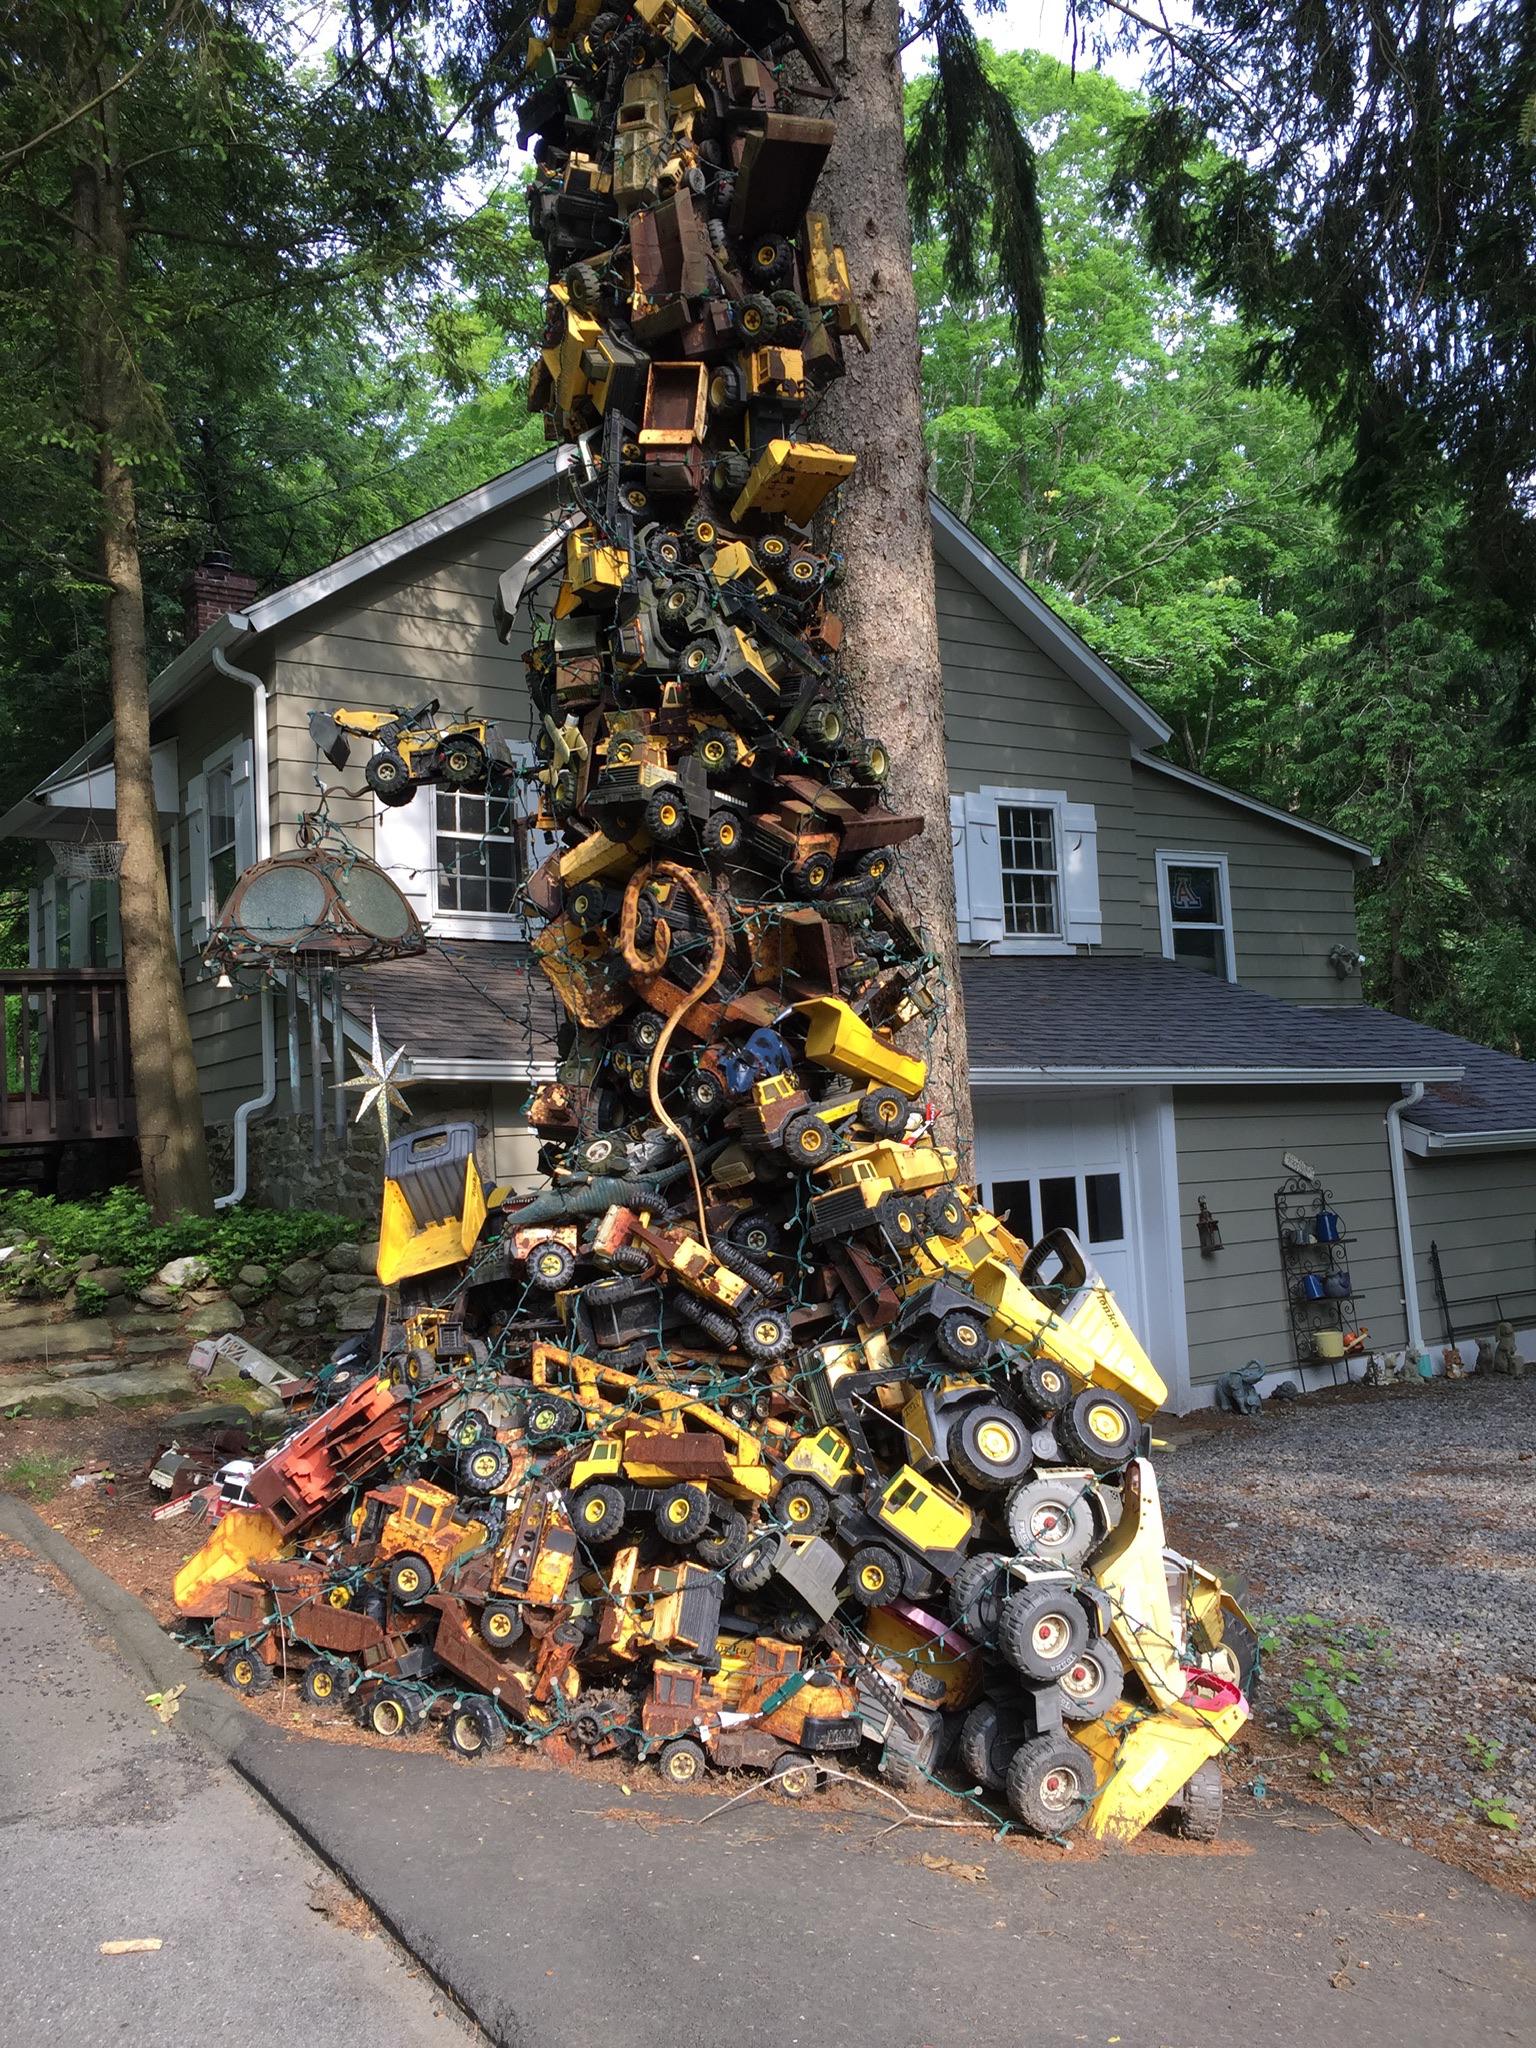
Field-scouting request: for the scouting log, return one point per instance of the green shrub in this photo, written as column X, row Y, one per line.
column 90, row 1296
column 117, row 1228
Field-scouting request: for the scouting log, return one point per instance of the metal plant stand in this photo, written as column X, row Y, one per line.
column 1298, row 1205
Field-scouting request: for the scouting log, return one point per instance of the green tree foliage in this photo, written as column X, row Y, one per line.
column 1158, row 504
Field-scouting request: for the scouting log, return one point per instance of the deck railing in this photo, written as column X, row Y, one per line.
column 64, row 1070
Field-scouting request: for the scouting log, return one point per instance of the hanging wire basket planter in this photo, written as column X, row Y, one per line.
column 90, row 860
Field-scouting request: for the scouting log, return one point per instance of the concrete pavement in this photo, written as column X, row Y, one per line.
column 113, row 1827
column 565, row 1914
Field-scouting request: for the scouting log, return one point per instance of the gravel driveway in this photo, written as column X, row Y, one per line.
column 1391, row 1533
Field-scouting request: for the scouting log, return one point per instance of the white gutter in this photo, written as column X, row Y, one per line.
column 1198, row 1077
column 1421, row 1142
column 450, row 1069
column 1400, row 1212
column 268, row 1092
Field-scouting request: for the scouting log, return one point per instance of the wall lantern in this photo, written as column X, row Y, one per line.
column 1209, row 1230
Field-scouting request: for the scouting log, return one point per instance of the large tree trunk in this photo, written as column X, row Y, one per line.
column 891, row 655
column 172, row 1143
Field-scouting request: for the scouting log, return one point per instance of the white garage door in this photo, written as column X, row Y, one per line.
column 1052, row 1163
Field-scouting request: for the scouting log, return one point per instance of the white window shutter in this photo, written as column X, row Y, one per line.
column 1084, row 920
column 536, row 846
column 957, row 857
column 983, row 869
column 198, row 917
column 48, row 910
column 242, row 782
column 403, row 848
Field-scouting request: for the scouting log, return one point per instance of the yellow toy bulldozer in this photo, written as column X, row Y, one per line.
column 414, row 747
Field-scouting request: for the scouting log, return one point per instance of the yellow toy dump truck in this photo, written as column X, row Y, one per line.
column 885, row 1185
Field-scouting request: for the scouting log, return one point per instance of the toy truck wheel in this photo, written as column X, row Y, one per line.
column 1050, row 1784
column 796, row 1623
column 875, row 1575
column 990, row 1446
column 811, row 875
column 682, row 1515
column 794, row 1775
column 976, row 1596
column 728, row 476
column 551, row 1265
column 393, row 1711
column 461, row 763
column 645, row 1029
column 419, row 1368
column 599, row 1154
column 1197, row 1816
column 962, row 1337
column 388, row 777
column 583, row 282
column 468, row 1428
column 767, row 260
column 803, row 1506
column 1052, row 1520
column 1042, row 1387
column 872, row 868
column 666, row 815
column 598, row 1512
column 766, row 1335
column 900, row 1217
column 756, row 318
column 410, row 1578
column 754, row 1568
column 1235, row 1657
column 682, row 1762
column 500, row 1624
column 551, row 1416
column 244, row 1671
column 1042, row 1631
column 324, row 1683
column 601, row 1714
column 986, row 1749
column 702, row 1092
column 483, row 1467
column 475, row 1730
column 720, row 1546
column 870, row 761
column 1092, row 1683
column 755, row 1233
column 1098, row 1430
column 946, row 1213
column 722, row 835
column 808, row 1139
column 883, row 1110
column 718, row 748
column 713, row 1327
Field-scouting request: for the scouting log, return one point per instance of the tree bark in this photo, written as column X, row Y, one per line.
column 172, row 1142
column 891, row 651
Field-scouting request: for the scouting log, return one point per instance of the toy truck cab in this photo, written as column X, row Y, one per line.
column 421, row 1528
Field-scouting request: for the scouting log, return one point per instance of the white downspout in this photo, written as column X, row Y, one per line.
column 1400, row 1211
column 268, row 1094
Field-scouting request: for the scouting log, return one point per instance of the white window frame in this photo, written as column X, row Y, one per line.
column 238, row 756
column 405, row 846
column 979, row 894
column 1168, row 858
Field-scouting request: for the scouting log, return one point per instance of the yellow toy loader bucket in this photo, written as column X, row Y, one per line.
column 246, row 1536
column 1143, row 1762
column 434, row 1203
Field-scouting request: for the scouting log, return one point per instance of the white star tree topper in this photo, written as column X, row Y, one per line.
column 376, row 1080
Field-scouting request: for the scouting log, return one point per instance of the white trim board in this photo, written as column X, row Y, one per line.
column 1424, row 1143
column 1203, row 1077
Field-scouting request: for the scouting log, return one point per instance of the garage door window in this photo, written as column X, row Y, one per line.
column 1090, row 1205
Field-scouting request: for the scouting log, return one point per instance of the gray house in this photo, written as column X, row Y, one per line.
column 1162, row 976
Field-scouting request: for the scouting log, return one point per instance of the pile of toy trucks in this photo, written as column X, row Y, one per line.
column 752, row 1440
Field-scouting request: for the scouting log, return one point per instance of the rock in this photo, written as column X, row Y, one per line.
column 190, row 1270
column 173, row 1345
column 212, row 1292
column 110, row 1279
column 157, row 1295
column 353, row 1283
column 214, row 1415
column 66, row 1398
column 357, row 1314
column 87, row 1262
column 78, row 1368
column 243, row 1295
column 36, row 1339
column 341, row 1258
column 302, row 1277
column 213, row 1318
column 143, row 1381
column 255, row 1276
column 367, row 1255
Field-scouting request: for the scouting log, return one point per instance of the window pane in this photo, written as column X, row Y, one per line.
column 1011, row 1201
column 477, row 853
column 221, row 810
column 1106, row 1214
column 1204, row 950
column 221, row 873
column 1194, row 895
column 1026, row 840
column 1058, row 1204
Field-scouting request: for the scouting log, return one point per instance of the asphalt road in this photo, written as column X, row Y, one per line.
column 112, row 1827
column 566, row 1914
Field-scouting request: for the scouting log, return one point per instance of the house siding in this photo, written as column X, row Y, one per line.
column 1230, row 1147
column 1012, row 717
column 1293, row 897
column 1478, row 1209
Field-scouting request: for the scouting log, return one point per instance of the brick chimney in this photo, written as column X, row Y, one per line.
column 214, row 587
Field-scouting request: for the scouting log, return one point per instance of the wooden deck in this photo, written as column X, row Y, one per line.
column 64, row 1069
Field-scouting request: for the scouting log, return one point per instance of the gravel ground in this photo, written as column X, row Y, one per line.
column 1389, row 1535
